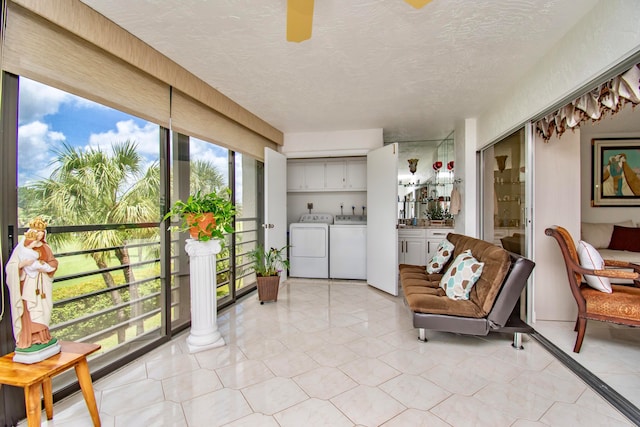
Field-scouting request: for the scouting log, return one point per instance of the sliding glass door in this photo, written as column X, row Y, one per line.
column 506, row 188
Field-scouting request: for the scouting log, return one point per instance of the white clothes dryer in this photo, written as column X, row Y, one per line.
column 309, row 246
column 348, row 247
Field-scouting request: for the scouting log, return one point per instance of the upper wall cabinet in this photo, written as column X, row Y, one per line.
column 339, row 174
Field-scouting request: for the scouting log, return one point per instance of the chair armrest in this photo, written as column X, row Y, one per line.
column 612, row 274
column 622, row 264
column 627, row 265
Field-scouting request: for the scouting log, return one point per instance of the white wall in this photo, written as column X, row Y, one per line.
column 331, row 144
column 622, row 125
column 608, row 34
column 466, row 170
column 557, row 202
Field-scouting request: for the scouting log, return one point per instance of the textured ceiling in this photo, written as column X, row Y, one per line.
column 369, row 63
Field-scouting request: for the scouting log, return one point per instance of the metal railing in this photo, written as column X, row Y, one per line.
column 99, row 304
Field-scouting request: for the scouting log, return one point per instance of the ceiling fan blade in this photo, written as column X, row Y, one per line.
column 417, row 3
column 299, row 20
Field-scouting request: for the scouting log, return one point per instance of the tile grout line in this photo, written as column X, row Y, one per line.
column 614, row 398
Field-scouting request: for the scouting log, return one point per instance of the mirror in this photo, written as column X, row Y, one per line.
column 425, row 179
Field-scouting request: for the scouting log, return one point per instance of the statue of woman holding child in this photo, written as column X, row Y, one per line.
column 30, row 273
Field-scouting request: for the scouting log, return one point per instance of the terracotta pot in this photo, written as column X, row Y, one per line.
column 201, row 223
column 268, row 288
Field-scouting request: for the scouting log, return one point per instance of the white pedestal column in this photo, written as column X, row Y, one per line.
column 204, row 324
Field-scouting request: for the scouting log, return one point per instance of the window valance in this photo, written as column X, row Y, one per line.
column 608, row 98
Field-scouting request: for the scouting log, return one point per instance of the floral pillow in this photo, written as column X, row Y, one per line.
column 443, row 254
column 463, row 273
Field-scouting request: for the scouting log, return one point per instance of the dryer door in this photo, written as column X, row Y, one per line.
column 309, row 251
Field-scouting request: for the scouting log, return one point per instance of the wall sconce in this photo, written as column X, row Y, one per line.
column 502, row 162
column 413, row 165
column 437, row 165
column 450, row 165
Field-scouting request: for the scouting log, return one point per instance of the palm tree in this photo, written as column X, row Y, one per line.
column 205, row 178
column 94, row 187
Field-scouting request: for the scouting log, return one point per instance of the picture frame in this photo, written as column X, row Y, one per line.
column 615, row 173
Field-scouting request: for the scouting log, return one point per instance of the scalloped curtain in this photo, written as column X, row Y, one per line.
column 608, row 98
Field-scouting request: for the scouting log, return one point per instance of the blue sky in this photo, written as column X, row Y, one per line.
column 49, row 117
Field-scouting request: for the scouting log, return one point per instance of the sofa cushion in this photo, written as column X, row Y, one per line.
column 599, row 234
column 443, row 254
column 496, row 266
column 461, row 275
column 427, row 302
column 627, row 256
column 625, row 239
column 590, row 258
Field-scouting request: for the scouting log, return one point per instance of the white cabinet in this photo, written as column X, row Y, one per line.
column 412, row 246
column 417, row 245
column 434, row 237
column 335, row 175
column 356, row 175
column 314, row 177
column 339, row 174
column 305, row 176
column 295, row 176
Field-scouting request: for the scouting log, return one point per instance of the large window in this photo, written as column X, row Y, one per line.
column 95, row 174
column 208, row 167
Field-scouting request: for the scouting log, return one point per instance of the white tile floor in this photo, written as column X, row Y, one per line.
column 609, row 351
column 332, row 353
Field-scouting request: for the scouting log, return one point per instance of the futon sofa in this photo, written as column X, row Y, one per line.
column 492, row 300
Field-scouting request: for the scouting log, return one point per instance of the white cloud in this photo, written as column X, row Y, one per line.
column 146, row 137
column 202, row 150
column 34, row 156
column 38, row 100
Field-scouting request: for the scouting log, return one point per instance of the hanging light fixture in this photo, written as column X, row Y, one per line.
column 413, row 165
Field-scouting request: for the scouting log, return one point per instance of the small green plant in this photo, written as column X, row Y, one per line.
column 197, row 205
column 436, row 212
column 268, row 262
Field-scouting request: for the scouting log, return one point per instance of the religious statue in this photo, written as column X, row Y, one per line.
column 30, row 273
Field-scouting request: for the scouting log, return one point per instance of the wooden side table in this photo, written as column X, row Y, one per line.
column 38, row 375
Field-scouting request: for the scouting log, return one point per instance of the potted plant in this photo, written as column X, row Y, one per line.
column 267, row 265
column 206, row 216
column 437, row 214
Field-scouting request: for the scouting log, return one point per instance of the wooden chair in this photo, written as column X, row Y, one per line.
column 622, row 306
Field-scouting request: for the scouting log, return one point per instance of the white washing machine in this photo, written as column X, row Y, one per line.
column 348, row 247
column 309, row 246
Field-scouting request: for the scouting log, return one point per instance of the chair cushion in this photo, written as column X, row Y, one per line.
column 625, row 239
column 590, row 258
column 461, row 275
column 622, row 303
column 443, row 254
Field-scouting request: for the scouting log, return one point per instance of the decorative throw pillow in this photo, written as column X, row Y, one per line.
column 463, row 273
column 625, row 239
column 443, row 254
column 599, row 234
column 590, row 258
